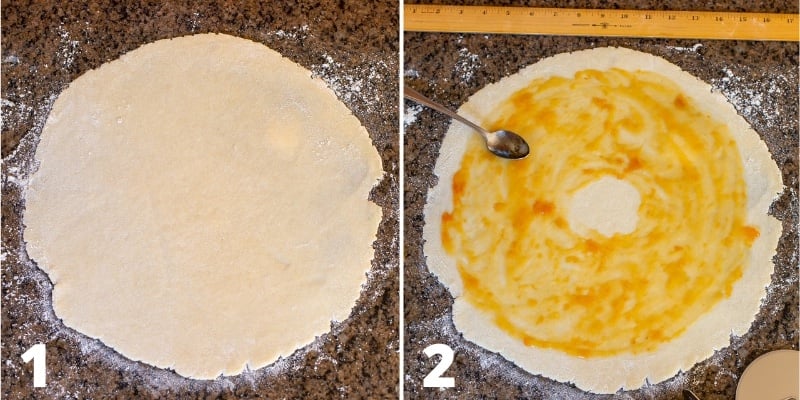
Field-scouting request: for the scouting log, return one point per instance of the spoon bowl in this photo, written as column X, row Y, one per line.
column 502, row 143
column 507, row 144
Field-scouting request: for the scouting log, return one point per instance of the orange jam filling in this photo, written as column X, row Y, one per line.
column 589, row 294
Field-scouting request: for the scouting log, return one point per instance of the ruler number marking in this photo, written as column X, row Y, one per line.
column 37, row 353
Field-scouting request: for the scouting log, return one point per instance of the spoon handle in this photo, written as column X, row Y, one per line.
column 418, row 97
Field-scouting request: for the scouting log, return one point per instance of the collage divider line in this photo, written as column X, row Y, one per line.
column 401, row 205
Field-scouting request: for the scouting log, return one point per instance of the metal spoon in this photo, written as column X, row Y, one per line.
column 502, row 143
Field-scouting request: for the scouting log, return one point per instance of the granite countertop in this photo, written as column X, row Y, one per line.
column 759, row 78
column 47, row 44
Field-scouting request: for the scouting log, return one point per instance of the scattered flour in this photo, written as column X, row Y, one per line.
column 68, row 49
column 293, row 34
column 466, row 65
column 356, row 87
column 410, row 114
column 195, row 21
column 694, row 48
column 762, row 97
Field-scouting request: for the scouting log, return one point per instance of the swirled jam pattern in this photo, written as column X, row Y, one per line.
column 584, row 292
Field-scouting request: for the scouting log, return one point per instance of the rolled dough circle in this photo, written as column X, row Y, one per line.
column 460, row 263
column 201, row 204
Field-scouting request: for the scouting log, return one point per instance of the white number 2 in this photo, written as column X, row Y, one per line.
column 434, row 378
column 37, row 354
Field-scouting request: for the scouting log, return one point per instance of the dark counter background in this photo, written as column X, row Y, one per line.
column 47, row 44
column 759, row 78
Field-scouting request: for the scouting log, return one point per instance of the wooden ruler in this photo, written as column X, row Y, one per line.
column 596, row 22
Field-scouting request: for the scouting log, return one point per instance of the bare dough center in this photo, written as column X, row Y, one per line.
column 607, row 205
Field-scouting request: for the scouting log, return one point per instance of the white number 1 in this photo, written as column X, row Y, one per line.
column 434, row 378
column 37, row 354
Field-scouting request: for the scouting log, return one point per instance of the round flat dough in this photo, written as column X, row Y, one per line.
column 201, row 205
column 629, row 245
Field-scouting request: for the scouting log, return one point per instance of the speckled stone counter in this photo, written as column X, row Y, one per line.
column 760, row 79
column 47, row 44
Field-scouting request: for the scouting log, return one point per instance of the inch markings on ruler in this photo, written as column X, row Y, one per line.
column 597, row 22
